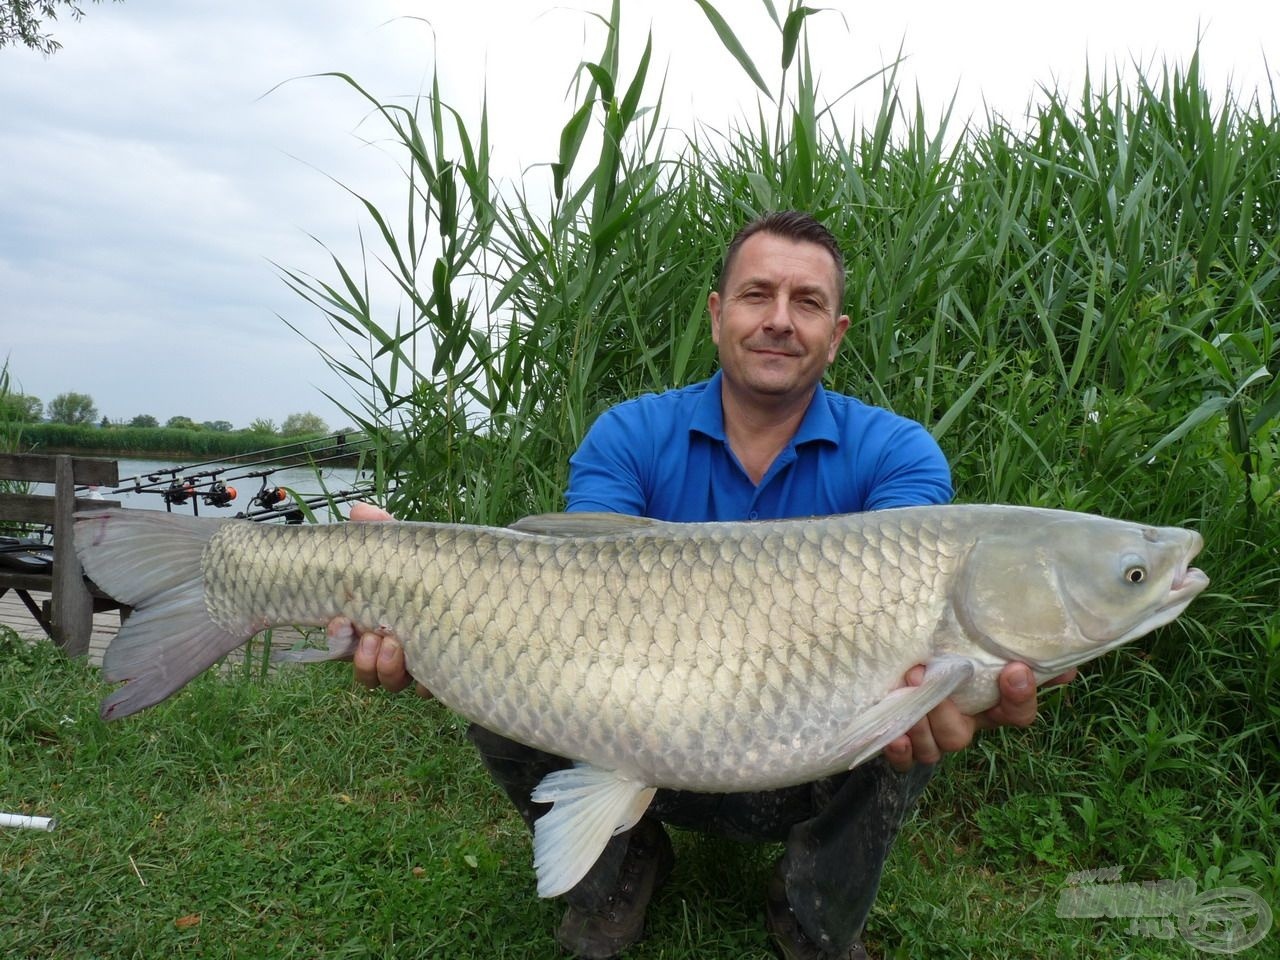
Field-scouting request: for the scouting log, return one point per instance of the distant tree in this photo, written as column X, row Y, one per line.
column 262, row 425
column 144, row 420
column 296, row 423
column 21, row 408
column 72, row 408
column 220, row 426
column 106, row 422
column 181, row 423
column 20, row 22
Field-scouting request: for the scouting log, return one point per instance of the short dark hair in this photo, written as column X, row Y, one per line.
column 791, row 225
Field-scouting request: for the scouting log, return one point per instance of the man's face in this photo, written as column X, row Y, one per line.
column 776, row 325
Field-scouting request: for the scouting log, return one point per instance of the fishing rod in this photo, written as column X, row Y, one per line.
column 157, row 482
column 214, row 486
column 335, row 441
column 219, row 492
column 335, row 445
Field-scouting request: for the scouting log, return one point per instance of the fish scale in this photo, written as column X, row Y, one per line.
column 707, row 657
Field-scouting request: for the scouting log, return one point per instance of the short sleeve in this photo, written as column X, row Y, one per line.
column 911, row 470
column 605, row 473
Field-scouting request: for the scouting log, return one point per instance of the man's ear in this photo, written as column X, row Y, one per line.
column 713, row 308
column 837, row 336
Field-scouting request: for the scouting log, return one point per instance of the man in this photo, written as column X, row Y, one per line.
column 760, row 440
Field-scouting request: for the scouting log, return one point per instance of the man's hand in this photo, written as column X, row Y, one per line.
column 379, row 659
column 945, row 729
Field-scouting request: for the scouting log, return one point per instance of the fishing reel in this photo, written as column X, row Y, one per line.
column 269, row 497
column 179, row 492
column 219, row 494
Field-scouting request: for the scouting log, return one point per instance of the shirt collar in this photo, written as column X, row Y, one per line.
column 818, row 423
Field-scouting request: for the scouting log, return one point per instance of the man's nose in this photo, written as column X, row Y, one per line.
column 778, row 319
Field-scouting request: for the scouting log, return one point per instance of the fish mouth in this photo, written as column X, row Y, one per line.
column 1185, row 588
column 1187, row 582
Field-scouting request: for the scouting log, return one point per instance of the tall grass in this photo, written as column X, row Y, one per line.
column 1083, row 308
column 10, row 430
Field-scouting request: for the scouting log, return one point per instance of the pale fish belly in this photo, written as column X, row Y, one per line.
column 714, row 658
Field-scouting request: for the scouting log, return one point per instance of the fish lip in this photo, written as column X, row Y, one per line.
column 1188, row 581
column 1191, row 580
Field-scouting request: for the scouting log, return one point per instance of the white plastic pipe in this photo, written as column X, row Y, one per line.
column 28, row 823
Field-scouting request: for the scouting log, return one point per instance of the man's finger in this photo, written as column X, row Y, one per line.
column 924, row 749
column 392, row 675
column 949, row 730
column 365, row 662
column 1017, row 706
column 898, row 753
column 362, row 512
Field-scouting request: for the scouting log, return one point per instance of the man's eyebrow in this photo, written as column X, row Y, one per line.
column 800, row 290
column 811, row 289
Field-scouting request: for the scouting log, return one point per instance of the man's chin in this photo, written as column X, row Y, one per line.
column 768, row 386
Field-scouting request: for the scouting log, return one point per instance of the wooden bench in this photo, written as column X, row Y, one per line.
column 67, row 617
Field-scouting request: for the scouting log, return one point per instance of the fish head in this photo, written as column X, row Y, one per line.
column 1056, row 589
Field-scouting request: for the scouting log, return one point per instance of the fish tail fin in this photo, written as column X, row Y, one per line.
column 151, row 561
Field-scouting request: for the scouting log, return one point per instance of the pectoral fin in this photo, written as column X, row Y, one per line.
column 897, row 713
column 589, row 806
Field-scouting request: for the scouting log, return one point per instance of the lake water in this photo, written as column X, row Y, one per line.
column 142, row 483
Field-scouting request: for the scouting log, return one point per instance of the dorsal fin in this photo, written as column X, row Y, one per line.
column 582, row 524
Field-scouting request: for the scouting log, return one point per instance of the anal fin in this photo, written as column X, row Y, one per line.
column 589, row 806
column 342, row 637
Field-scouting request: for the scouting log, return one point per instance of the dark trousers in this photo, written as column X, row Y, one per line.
column 838, row 831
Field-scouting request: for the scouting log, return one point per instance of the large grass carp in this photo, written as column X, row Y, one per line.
column 713, row 657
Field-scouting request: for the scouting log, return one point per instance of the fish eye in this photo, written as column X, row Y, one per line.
column 1134, row 567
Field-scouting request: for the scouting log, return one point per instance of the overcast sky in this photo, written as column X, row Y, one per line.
column 153, row 169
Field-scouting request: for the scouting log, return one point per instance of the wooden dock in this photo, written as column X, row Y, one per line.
column 14, row 614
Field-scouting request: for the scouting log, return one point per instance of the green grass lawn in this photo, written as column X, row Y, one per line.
column 304, row 817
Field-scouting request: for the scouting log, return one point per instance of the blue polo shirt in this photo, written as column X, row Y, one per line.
column 665, row 456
